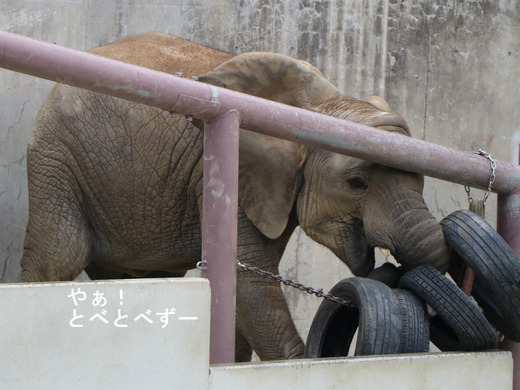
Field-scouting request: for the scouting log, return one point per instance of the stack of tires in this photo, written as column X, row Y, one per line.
column 394, row 313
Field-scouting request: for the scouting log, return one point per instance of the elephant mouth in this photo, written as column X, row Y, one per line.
column 357, row 251
column 362, row 249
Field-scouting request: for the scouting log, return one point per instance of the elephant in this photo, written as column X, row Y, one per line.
column 115, row 187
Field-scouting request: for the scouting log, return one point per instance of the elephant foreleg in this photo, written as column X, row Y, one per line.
column 243, row 350
column 264, row 319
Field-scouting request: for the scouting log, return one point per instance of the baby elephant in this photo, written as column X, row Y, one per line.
column 115, row 187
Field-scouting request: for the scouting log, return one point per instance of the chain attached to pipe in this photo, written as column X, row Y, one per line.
column 492, row 177
column 319, row 293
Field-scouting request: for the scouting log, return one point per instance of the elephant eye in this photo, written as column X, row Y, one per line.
column 357, row 183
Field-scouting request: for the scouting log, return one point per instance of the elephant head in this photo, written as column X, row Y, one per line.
column 346, row 204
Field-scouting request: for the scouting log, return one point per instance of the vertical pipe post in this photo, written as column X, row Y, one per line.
column 219, row 230
column 508, row 226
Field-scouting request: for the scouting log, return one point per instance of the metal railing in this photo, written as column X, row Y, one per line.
column 224, row 111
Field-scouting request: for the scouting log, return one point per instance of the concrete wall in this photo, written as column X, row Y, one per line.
column 449, row 67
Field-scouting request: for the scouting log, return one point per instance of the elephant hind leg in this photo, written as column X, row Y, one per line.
column 55, row 250
column 58, row 240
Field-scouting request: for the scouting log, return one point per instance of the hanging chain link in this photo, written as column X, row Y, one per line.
column 492, row 177
column 319, row 293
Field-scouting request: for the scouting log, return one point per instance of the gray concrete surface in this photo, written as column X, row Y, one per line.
column 447, row 371
column 130, row 334
column 449, row 67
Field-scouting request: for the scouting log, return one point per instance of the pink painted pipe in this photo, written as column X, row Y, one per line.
column 219, row 230
column 508, row 226
column 207, row 102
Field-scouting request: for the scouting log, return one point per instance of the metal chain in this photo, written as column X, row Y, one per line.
column 492, row 178
column 319, row 293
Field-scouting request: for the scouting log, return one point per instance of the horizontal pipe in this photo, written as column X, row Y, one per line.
column 173, row 93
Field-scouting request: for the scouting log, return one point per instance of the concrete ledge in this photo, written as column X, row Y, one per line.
column 125, row 334
column 485, row 370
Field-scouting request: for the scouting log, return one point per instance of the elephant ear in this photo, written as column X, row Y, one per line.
column 269, row 179
column 270, row 173
column 274, row 77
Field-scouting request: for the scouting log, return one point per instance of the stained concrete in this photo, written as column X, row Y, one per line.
column 449, row 67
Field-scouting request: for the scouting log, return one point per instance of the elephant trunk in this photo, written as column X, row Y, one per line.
column 422, row 243
column 413, row 236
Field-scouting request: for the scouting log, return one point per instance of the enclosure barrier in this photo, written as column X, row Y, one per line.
column 224, row 111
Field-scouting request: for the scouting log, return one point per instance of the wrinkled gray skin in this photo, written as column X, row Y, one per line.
column 115, row 187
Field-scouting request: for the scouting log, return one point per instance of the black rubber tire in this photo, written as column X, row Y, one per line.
column 497, row 268
column 415, row 336
column 471, row 330
column 376, row 316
